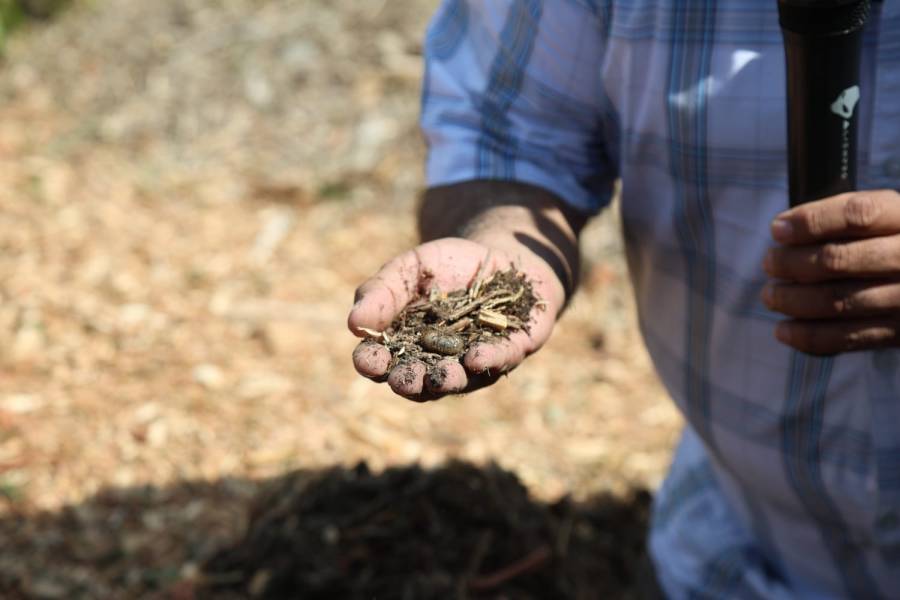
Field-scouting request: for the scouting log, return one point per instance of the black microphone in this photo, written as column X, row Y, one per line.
column 823, row 48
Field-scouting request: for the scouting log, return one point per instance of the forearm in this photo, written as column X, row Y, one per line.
column 516, row 217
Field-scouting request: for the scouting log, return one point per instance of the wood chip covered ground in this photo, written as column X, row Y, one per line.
column 190, row 191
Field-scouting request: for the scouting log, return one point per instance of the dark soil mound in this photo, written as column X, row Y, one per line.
column 455, row 532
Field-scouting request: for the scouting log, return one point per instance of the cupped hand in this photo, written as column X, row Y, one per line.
column 837, row 273
column 449, row 264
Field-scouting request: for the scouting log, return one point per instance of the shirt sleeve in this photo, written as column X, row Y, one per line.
column 513, row 92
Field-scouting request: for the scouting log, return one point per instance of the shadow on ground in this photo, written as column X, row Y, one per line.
column 458, row 531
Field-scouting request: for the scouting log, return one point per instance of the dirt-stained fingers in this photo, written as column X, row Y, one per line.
column 447, row 376
column 371, row 360
column 379, row 299
column 500, row 356
column 504, row 355
column 416, row 381
column 408, row 379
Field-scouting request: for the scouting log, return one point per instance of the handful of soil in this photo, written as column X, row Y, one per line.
column 445, row 325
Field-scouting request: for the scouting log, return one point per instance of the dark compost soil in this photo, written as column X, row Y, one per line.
column 459, row 531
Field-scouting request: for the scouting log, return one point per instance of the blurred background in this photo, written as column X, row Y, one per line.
column 190, row 191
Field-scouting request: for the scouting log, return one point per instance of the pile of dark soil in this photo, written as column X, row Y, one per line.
column 441, row 325
column 455, row 532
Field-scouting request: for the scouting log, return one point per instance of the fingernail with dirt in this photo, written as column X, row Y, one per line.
column 371, row 359
column 406, row 379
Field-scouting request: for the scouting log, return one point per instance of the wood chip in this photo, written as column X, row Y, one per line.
column 493, row 319
column 459, row 325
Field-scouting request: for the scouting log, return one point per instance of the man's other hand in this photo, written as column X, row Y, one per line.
column 837, row 273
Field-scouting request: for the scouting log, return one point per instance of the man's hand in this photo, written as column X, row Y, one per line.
column 839, row 273
column 476, row 227
column 448, row 264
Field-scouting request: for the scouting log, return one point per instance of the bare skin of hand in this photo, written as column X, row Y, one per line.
column 454, row 263
column 496, row 235
column 837, row 273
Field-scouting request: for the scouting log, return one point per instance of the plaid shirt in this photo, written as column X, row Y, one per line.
column 787, row 481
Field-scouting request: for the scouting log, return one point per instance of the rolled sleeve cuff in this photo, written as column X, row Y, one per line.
column 456, row 162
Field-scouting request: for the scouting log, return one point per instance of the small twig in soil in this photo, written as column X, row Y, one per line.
column 505, row 299
column 459, row 325
column 478, row 555
column 531, row 562
column 477, row 282
column 469, row 307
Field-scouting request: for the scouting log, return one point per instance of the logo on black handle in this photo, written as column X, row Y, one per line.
column 844, row 107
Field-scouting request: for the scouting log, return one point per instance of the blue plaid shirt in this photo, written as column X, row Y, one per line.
column 787, row 481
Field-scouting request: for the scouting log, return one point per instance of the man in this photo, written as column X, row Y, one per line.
column 775, row 331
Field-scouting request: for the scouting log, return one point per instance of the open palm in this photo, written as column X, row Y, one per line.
column 448, row 264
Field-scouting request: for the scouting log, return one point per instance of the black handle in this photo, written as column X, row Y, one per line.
column 823, row 48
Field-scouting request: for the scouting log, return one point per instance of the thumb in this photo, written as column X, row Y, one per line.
column 381, row 298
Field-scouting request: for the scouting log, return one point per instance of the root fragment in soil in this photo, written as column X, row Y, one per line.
column 439, row 325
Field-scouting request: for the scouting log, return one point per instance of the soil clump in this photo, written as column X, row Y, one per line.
column 440, row 325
